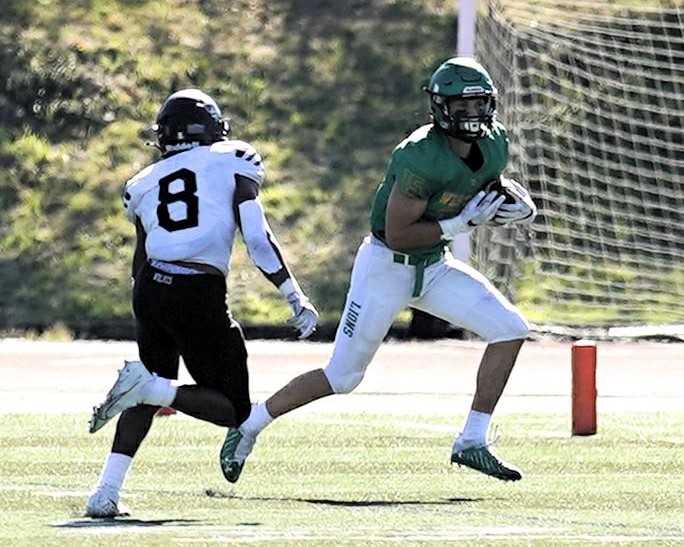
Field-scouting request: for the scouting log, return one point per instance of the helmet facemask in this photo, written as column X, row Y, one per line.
column 463, row 124
column 461, row 79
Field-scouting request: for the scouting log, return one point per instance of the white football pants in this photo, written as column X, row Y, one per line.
column 381, row 288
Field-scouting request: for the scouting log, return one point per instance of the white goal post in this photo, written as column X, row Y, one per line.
column 591, row 94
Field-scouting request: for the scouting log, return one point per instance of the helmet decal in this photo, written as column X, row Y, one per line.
column 189, row 118
column 477, row 89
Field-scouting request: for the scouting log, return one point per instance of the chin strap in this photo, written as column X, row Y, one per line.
column 154, row 145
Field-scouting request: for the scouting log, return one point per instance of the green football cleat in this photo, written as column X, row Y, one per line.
column 234, row 452
column 481, row 459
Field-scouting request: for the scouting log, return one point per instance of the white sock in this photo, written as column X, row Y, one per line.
column 114, row 471
column 258, row 419
column 476, row 426
column 158, row 392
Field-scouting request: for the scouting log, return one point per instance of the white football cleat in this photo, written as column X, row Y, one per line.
column 104, row 503
column 125, row 393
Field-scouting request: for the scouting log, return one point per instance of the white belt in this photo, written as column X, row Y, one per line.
column 172, row 268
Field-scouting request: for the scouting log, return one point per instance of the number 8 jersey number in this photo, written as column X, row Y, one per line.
column 184, row 203
column 188, row 196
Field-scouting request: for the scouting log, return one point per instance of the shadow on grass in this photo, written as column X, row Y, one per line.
column 349, row 503
column 124, row 522
column 386, row 503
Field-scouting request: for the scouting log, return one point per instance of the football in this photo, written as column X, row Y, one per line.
column 503, row 187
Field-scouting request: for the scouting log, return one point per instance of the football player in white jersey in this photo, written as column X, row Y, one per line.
column 186, row 208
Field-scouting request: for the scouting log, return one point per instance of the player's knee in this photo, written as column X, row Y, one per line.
column 512, row 327
column 519, row 328
column 344, row 382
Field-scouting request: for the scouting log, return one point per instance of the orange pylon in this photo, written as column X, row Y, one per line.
column 584, row 388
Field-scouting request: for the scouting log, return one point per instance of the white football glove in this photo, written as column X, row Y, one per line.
column 304, row 314
column 479, row 210
column 521, row 211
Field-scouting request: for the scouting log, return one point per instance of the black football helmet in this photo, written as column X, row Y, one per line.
column 189, row 118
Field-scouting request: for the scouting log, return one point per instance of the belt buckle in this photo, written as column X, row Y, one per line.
column 405, row 259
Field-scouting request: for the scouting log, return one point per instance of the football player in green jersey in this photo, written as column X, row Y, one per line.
column 438, row 184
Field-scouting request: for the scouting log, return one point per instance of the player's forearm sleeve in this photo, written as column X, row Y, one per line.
column 261, row 244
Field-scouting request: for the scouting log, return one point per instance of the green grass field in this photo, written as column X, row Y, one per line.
column 351, row 479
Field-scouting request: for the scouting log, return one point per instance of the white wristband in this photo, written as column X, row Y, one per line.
column 290, row 286
column 451, row 227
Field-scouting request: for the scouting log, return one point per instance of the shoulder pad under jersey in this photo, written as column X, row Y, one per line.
column 421, row 152
column 243, row 157
column 134, row 190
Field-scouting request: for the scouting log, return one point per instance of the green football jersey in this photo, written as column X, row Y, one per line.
column 425, row 167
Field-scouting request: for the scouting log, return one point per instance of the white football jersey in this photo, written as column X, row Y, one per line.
column 185, row 202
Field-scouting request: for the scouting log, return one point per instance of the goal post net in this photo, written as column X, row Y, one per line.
column 591, row 94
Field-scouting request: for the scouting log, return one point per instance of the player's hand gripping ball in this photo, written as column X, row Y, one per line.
column 518, row 207
column 503, row 187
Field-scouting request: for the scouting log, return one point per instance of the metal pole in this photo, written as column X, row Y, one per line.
column 467, row 11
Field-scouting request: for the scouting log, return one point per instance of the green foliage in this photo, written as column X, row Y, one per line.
column 310, row 84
